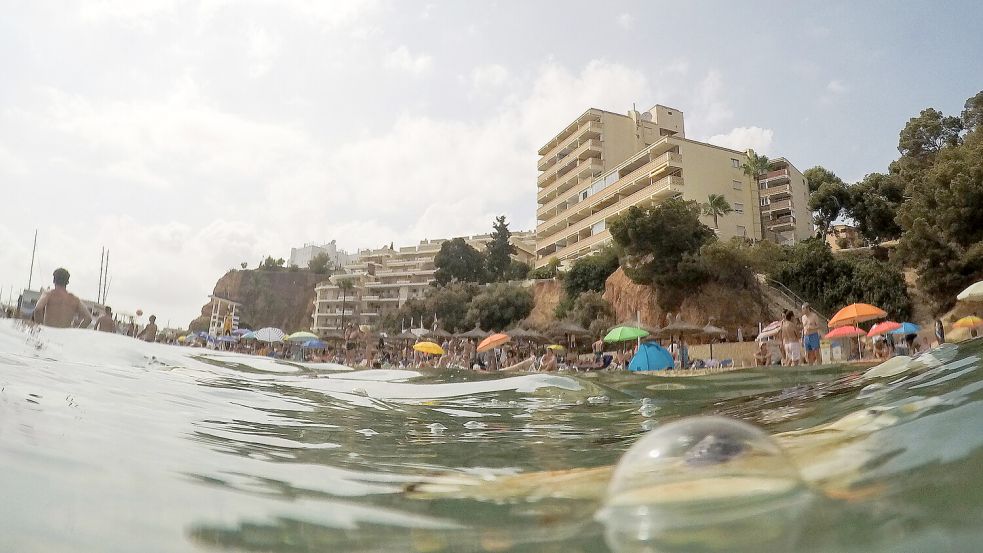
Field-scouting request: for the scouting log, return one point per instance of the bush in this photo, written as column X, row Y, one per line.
column 590, row 307
column 590, row 273
column 550, row 270
column 320, row 263
column 499, row 306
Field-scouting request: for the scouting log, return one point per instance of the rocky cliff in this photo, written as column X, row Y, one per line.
column 283, row 299
column 546, row 295
column 728, row 307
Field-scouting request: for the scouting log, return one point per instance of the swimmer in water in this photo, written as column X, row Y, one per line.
column 105, row 322
column 58, row 307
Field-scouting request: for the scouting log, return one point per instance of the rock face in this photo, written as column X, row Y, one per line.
column 728, row 307
column 546, row 296
column 283, row 299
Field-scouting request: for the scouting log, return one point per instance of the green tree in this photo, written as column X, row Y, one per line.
column 656, row 241
column 827, row 203
column 942, row 222
column 499, row 251
column 589, row 273
column 590, row 307
column 716, row 206
column 320, row 264
column 270, row 264
column 728, row 263
column 928, row 133
column 972, row 115
column 517, row 271
column 550, row 270
column 345, row 286
column 244, row 265
column 818, row 176
column 459, row 261
column 874, row 204
column 500, row 305
column 755, row 166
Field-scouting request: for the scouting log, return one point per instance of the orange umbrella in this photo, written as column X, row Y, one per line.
column 844, row 332
column 883, row 328
column 855, row 314
column 492, row 342
column 969, row 322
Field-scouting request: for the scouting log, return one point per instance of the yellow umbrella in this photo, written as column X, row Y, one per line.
column 555, row 347
column 428, row 347
column 492, row 342
column 855, row 314
column 971, row 321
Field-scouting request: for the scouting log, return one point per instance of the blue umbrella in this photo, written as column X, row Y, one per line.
column 228, row 339
column 241, row 331
column 650, row 357
column 314, row 344
column 907, row 328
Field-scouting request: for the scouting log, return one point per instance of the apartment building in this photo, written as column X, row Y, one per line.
column 604, row 163
column 384, row 279
column 302, row 256
column 784, row 200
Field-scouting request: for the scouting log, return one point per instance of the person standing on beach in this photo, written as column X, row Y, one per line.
column 105, row 322
column 810, row 331
column 598, row 349
column 792, row 339
column 149, row 332
column 939, row 331
column 58, row 307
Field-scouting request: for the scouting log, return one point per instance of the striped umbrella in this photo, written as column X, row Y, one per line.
column 269, row 334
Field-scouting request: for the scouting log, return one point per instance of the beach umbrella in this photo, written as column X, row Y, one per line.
column 971, row 321
column 713, row 332
column 844, row 332
column 883, row 328
column 301, row 336
column 314, row 344
column 228, row 339
column 474, row 334
column 973, row 293
column 555, row 347
column 855, row 314
column 907, row 328
column 405, row 335
column 625, row 333
column 428, row 347
column 650, row 357
column 182, row 339
column 248, row 336
column 269, row 334
column 241, row 331
column 680, row 328
column 492, row 342
column 772, row 329
column 569, row 327
column 440, row 333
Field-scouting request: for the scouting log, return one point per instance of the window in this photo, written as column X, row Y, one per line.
column 598, row 227
column 741, row 231
column 765, row 201
column 584, row 194
column 735, row 163
column 738, row 185
column 738, row 208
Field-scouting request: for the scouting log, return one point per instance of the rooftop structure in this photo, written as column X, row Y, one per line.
column 302, row 256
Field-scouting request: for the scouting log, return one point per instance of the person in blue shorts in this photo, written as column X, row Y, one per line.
column 810, row 334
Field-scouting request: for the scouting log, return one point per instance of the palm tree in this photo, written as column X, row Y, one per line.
column 754, row 166
column 716, row 206
column 344, row 285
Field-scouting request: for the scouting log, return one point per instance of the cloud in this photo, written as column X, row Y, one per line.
column 401, row 59
column 626, row 21
column 742, row 138
column 263, row 49
column 836, row 87
column 488, row 76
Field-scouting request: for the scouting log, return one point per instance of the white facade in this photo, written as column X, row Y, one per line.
column 302, row 256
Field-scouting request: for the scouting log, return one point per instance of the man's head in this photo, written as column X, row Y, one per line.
column 788, row 315
column 109, row 310
column 153, row 318
column 61, row 277
column 805, row 308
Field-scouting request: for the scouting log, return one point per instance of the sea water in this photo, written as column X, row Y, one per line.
column 110, row 444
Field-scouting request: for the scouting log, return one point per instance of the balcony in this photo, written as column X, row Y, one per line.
column 774, row 176
column 569, row 148
column 777, row 206
column 586, row 170
column 558, row 142
column 582, row 246
column 779, row 191
column 341, row 299
column 570, row 161
column 779, row 224
column 612, row 194
column 653, row 193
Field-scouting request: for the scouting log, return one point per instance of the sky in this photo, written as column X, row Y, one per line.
column 188, row 137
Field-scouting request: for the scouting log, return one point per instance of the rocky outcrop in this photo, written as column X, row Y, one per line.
column 728, row 307
column 546, row 295
column 282, row 299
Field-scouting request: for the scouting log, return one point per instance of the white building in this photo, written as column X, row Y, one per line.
column 302, row 256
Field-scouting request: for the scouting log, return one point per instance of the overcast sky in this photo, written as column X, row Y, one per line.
column 188, row 137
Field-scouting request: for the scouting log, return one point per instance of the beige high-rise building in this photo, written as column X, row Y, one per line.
column 386, row 278
column 784, row 199
column 603, row 163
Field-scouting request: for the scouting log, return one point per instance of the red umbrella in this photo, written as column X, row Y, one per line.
column 844, row 332
column 883, row 328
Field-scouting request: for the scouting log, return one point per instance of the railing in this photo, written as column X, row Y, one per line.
column 771, row 175
column 788, row 294
column 564, row 141
column 775, row 190
column 781, row 221
column 775, row 206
